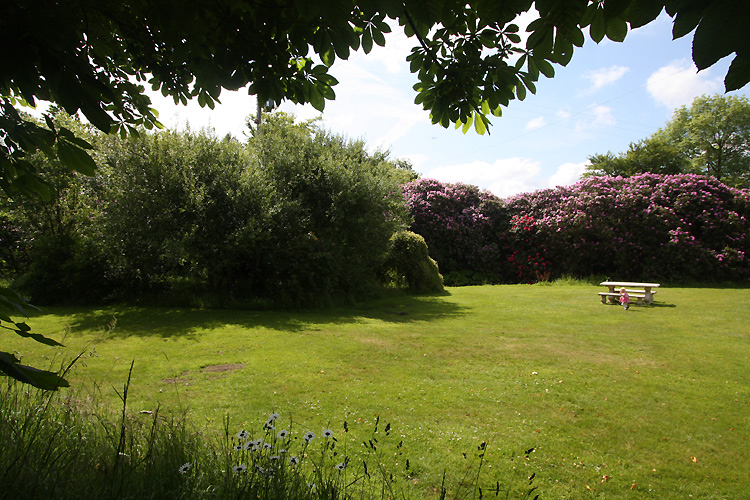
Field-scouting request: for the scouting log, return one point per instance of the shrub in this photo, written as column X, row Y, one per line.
column 295, row 216
column 462, row 225
column 645, row 227
column 408, row 264
column 65, row 268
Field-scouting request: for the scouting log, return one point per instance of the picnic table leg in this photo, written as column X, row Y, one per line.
column 612, row 290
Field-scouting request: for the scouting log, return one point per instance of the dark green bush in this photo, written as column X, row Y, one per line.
column 295, row 217
column 408, row 264
column 64, row 269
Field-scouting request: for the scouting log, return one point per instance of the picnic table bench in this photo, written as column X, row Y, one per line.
column 641, row 292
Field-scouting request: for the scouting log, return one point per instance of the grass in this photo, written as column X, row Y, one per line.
column 649, row 403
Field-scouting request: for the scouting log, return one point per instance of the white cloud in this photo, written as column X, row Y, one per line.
column 567, row 174
column 603, row 117
column 504, row 177
column 226, row 118
column 604, row 76
column 535, row 123
column 416, row 160
column 678, row 83
column 367, row 106
column 596, row 117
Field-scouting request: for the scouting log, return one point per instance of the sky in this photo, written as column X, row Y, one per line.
column 609, row 95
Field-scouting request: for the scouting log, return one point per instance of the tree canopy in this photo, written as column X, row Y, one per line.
column 709, row 137
column 97, row 57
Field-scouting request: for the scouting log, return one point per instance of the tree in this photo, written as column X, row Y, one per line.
column 95, row 57
column 714, row 134
column 462, row 227
column 711, row 137
column 655, row 155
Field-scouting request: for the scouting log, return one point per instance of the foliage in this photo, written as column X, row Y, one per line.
column 12, row 304
column 468, row 57
column 714, row 134
column 462, row 226
column 648, row 226
column 654, row 155
column 166, row 203
column 409, row 264
column 331, row 210
column 297, row 215
column 710, row 137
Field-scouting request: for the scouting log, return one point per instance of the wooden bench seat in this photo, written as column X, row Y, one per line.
column 615, row 297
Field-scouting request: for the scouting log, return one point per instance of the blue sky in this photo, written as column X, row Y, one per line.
column 609, row 95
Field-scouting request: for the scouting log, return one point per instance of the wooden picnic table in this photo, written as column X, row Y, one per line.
column 638, row 291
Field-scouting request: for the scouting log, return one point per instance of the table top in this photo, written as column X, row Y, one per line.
column 629, row 283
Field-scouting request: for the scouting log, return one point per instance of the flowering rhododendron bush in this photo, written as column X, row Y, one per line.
column 645, row 227
column 463, row 227
column 642, row 227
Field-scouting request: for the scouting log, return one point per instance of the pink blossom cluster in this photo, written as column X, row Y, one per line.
column 644, row 227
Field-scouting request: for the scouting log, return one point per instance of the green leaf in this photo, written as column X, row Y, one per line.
column 588, row 15
column 545, row 67
column 32, row 183
column 576, row 37
column 520, row 92
column 615, row 8
column 720, row 32
column 367, row 42
column 326, row 91
column 316, row 99
column 96, row 115
column 738, row 75
column 598, row 27
column 642, row 12
column 480, row 123
column 617, row 29
column 466, row 125
column 42, row 379
column 379, row 37
column 75, row 158
column 328, row 56
column 686, row 19
column 541, row 40
column 533, row 69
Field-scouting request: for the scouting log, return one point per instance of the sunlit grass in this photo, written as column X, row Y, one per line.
column 652, row 402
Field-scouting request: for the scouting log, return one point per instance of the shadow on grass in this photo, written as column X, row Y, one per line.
column 662, row 304
column 125, row 321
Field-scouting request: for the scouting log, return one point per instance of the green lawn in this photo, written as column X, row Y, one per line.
column 649, row 403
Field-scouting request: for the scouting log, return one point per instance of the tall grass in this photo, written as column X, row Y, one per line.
column 63, row 447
